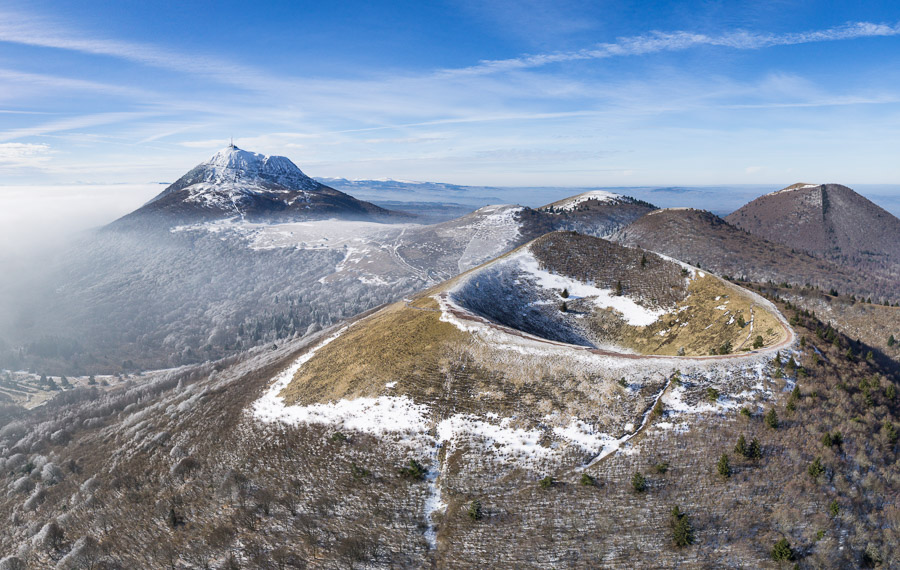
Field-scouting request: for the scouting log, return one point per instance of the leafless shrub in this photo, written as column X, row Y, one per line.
column 34, row 501
column 50, row 537
column 23, row 484
column 85, row 554
column 184, row 467
column 12, row 563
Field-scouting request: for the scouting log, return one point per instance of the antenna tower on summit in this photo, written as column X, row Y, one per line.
column 232, row 143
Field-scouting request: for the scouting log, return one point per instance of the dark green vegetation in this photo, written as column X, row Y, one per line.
column 413, row 470
column 723, row 467
column 638, row 482
column 173, row 472
column 682, row 533
column 475, row 511
column 782, row 552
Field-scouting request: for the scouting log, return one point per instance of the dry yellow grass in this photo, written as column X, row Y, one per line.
column 403, row 344
column 697, row 324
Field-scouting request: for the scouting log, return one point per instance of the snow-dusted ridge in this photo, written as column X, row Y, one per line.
column 569, row 204
column 791, row 188
column 502, row 336
column 408, row 423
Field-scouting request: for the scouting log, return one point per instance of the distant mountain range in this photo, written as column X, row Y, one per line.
column 408, row 190
column 719, row 199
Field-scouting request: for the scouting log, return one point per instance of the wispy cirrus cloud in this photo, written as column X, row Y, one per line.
column 27, row 29
column 656, row 42
column 22, row 112
column 43, row 81
column 70, row 123
column 19, row 155
column 827, row 102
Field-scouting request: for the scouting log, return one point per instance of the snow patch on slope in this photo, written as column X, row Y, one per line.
column 370, row 415
column 744, row 381
column 495, row 229
column 633, row 313
column 793, row 187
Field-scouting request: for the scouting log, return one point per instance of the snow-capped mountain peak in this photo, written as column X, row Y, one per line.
column 235, row 183
column 234, row 165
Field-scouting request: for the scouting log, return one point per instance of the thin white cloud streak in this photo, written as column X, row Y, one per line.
column 657, row 42
column 18, row 112
column 483, row 118
column 384, row 100
column 55, row 82
column 836, row 102
column 67, row 124
column 29, row 30
column 335, row 110
column 23, row 155
column 20, row 28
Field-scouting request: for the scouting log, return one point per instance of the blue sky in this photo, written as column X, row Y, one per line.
column 487, row 93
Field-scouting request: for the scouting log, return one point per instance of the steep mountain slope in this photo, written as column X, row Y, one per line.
column 458, row 245
column 828, row 220
column 252, row 187
column 580, row 212
column 425, row 435
column 704, row 239
column 143, row 294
